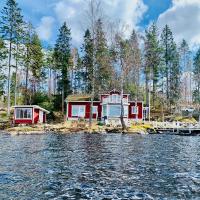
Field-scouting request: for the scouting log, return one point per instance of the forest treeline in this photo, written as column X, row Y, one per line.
column 152, row 67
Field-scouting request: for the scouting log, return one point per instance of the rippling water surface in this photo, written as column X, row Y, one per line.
column 85, row 166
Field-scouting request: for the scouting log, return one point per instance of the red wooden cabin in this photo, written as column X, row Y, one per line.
column 109, row 107
column 29, row 114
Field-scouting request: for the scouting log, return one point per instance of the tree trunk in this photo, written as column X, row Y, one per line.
column 27, row 74
column 147, row 90
column 63, row 100
column 16, row 76
column 49, row 88
column 9, row 73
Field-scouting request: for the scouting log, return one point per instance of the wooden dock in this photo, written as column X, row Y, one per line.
column 176, row 128
column 179, row 131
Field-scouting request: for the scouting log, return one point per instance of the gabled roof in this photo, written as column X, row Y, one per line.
column 32, row 106
column 79, row 97
column 113, row 91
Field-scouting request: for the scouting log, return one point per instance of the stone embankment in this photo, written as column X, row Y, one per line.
column 77, row 127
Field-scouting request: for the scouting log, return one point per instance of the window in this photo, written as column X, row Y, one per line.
column 94, row 109
column 134, row 109
column 78, row 111
column 105, row 99
column 115, row 98
column 104, row 110
column 126, row 111
column 114, row 111
column 125, row 100
column 23, row 113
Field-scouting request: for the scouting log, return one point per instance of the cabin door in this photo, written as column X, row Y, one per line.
column 40, row 116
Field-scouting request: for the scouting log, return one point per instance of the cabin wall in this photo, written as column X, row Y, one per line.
column 36, row 116
column 44, row 117
column 140, row 110
column 22, row 121
column 87, row 109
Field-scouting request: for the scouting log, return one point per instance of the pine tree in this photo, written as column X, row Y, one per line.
column 186, row 69
column 88, row 51
column 152, row 60
column 18, row 55
column 175, row 74
column 171, row 69
column 134, row 76
column 196, row 72
column 27, row 41
column 80, row 77
column 37, row 61
column 3, row 52
column 167, row 42
column 11, row 20
column 103, row 69
column 49, row 65
column 62, row 60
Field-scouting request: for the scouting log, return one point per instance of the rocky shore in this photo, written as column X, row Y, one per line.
column 76, row 127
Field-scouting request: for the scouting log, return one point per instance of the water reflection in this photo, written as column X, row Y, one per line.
column 85, row 166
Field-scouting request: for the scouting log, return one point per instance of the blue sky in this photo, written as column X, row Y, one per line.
column 183, row 16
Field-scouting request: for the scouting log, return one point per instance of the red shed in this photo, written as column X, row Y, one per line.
column 109, row 107
column 29, row 114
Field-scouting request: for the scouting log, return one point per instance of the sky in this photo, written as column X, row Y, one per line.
column 183, row 16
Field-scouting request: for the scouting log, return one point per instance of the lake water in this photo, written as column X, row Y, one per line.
column 85, row 166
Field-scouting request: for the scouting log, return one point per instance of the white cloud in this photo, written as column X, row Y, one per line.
column 183, row 17
column 45, row 28
column 130, row 12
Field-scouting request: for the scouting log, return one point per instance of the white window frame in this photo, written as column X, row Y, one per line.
column 105, row 99
column 23, row 109
column 125, row 100
column 104, row 110
column 126, row 114
column 133, row 110
column 94, row 109
column 113, row 106
column 79, row 110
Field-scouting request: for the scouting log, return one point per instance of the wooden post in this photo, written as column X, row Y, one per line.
column 149, row 105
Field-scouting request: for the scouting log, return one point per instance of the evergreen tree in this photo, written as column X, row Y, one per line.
column 3, row 52
column 186, row 69
column 134, row 75
column 175, row 74
column 88, row 51
column 184, row 55
column 62, row 60
column 18, row 55
column 152, row 60
column 49, row 65
column 27, row 41
column 171, row 69
column 80, row 77
column 37, row 61
column 103, row 69
column 196, row 72
column 11, row 20
column 167, row 43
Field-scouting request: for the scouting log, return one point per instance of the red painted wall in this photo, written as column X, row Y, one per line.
column 30, row 121
column 44, row 117
column 87, row 109
column 23, row 121
column 140, row 111
column 36, row 116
